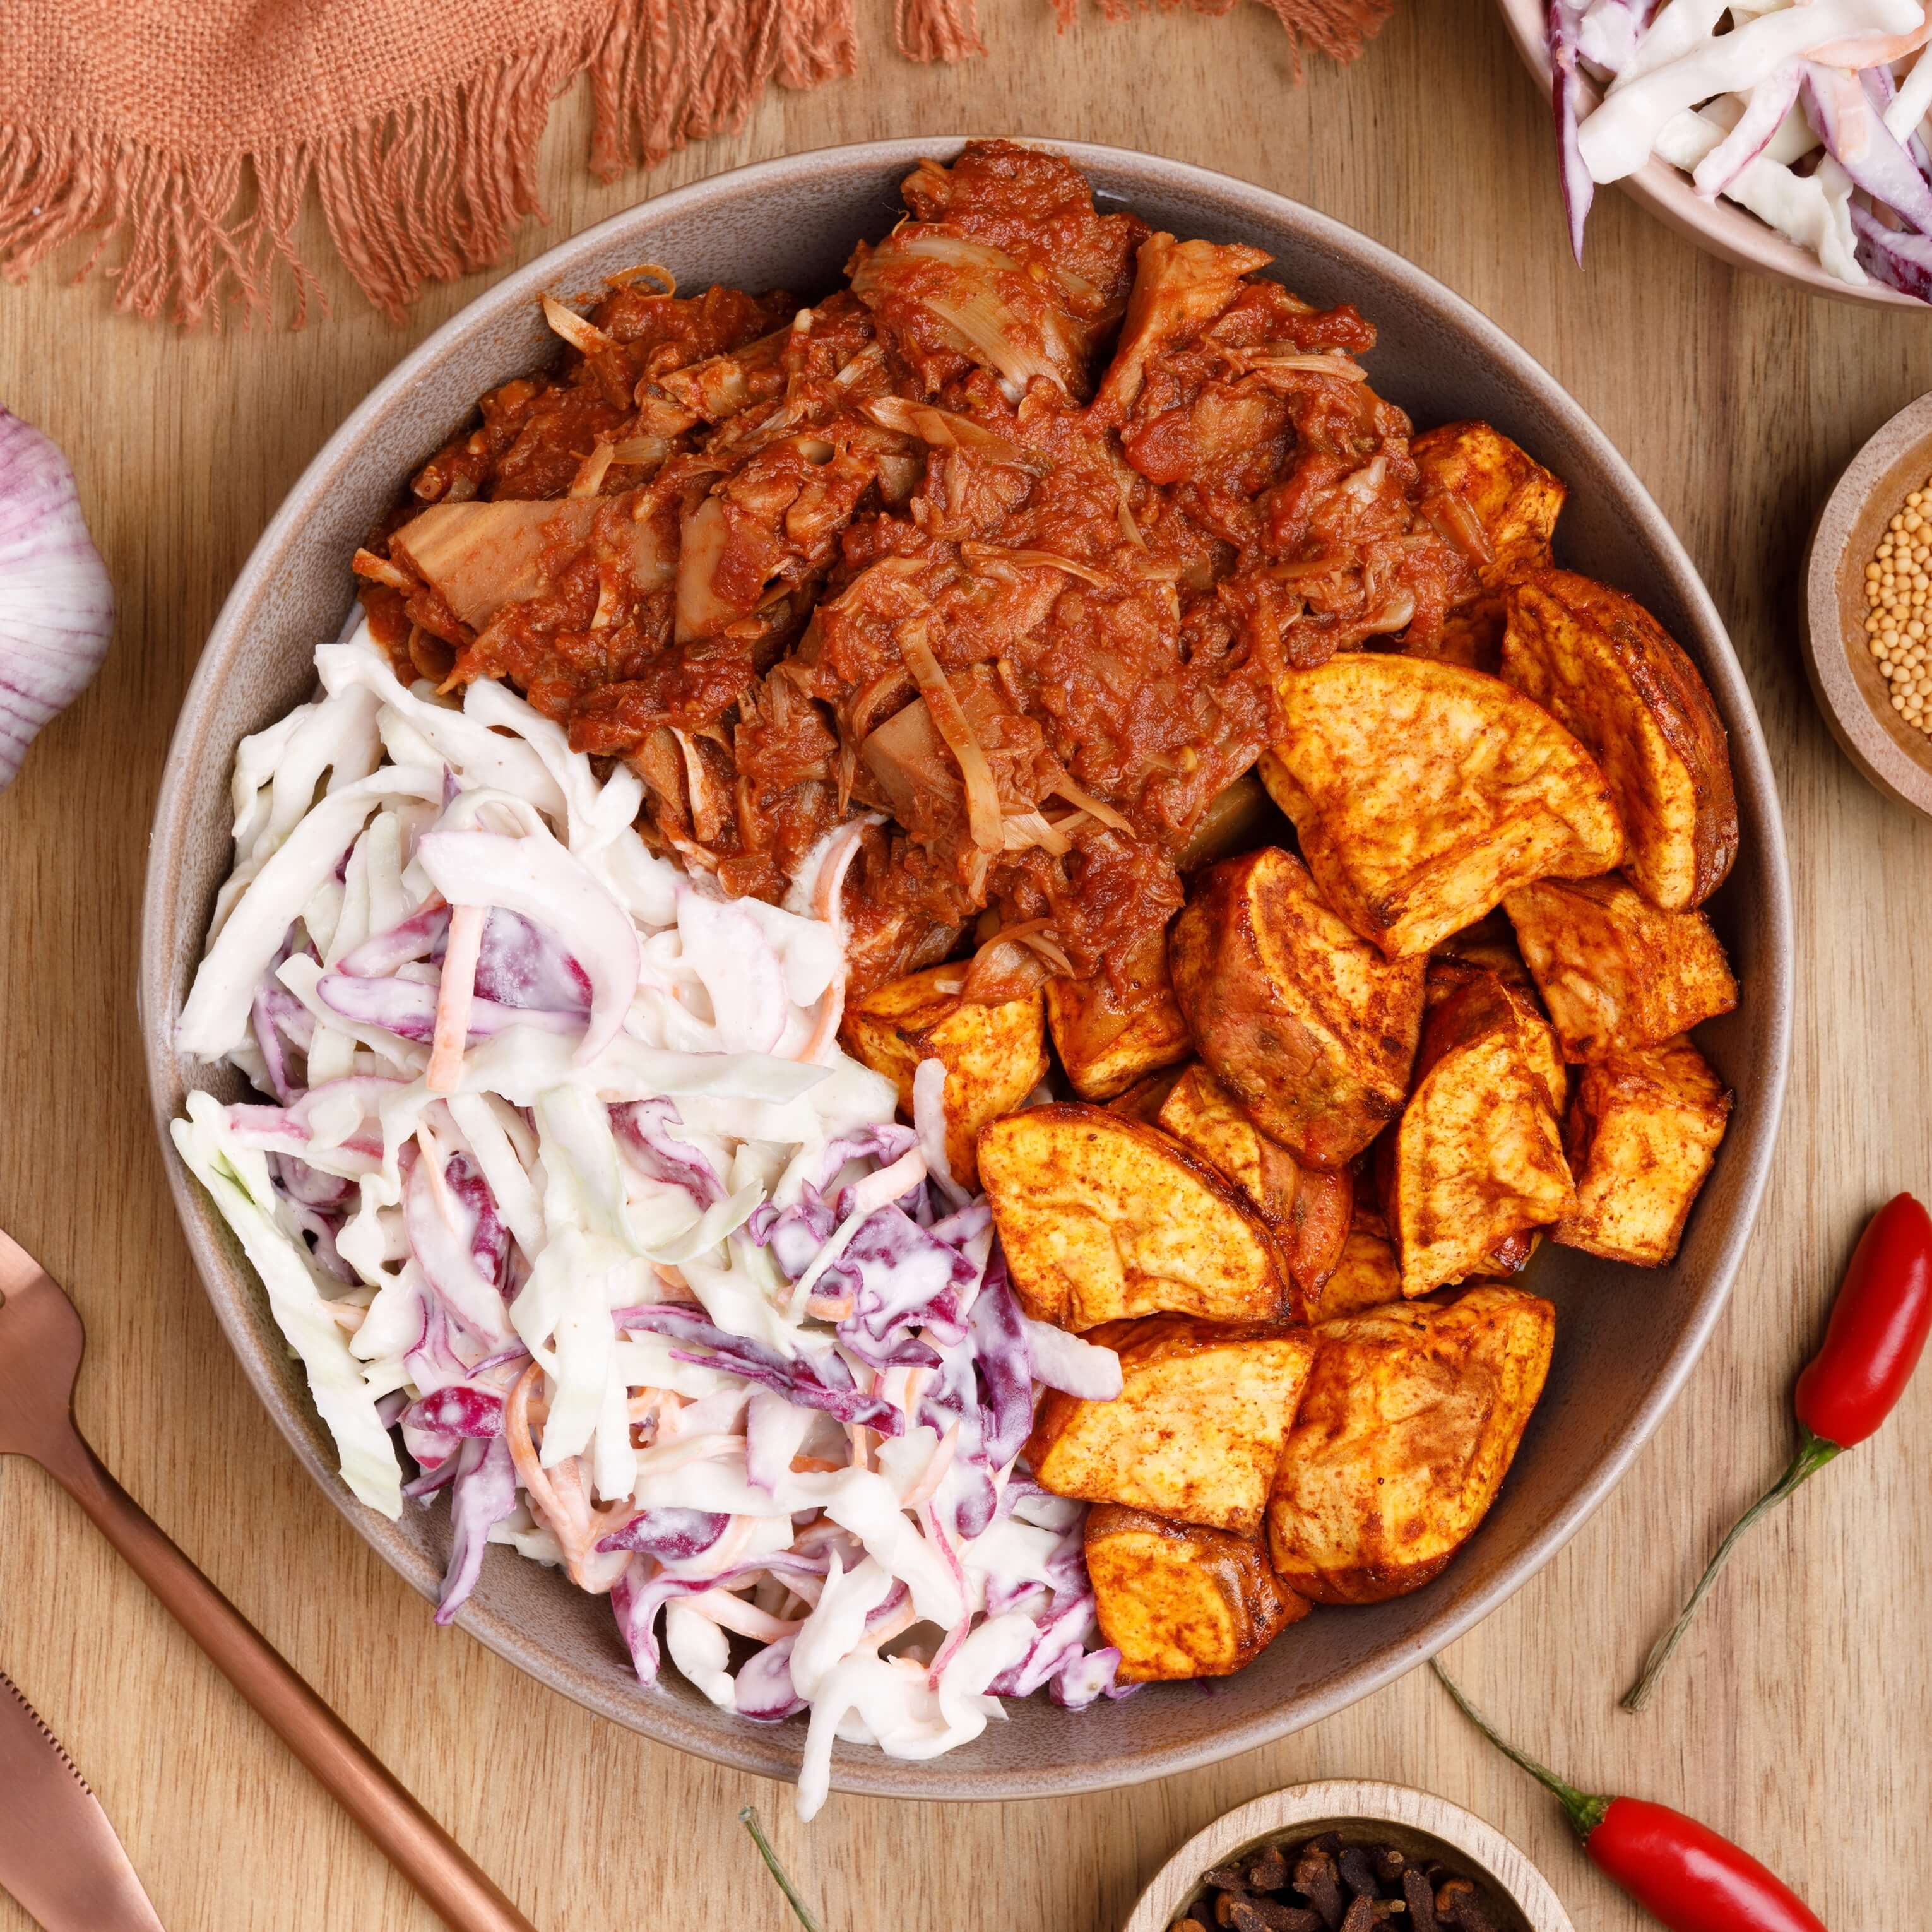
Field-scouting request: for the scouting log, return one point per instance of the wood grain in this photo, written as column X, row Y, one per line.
column 1797, row 1718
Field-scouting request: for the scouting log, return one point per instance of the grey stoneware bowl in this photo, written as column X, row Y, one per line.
column 1625, row 1342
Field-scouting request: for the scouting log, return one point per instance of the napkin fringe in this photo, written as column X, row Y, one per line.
column 938, row 30
column 437, row 187
column 1339, row 28
column 431, row 190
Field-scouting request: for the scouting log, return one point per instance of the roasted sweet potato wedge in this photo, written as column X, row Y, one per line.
column 1197, row 1427
column 1499, row 506
column 1509, row 1257
column 1422, row 793
column 1614, row 972
column 1367, row 1275
column 1602, row 664
column 1643, row 1131
column 1447, row 976
column 1107, row 1041
column 1177, row 1601
column 1472, row 634
column 1144, row 1099
column 1308, row 1210
column 1408, row 1426
column 1478, row 1157
column 994, row 1056
column 1308, row 1025
column 1490, row 942
column 1102, row 1216
column 1510, row 499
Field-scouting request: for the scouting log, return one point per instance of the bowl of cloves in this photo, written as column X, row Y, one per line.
column 1348, row 1855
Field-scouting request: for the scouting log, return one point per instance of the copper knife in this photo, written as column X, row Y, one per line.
column 58, row 1855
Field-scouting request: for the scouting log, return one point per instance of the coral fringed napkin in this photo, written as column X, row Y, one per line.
column 192, row 133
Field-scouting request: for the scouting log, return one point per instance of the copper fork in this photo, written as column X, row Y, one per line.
column 40, row 1342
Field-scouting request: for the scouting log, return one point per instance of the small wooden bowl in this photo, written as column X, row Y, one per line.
column 1418, row 1823
column 1851, row 690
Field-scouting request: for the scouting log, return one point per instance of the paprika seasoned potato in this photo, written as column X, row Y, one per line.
column 1491, row 942
column 1367, row 1275
column 1197, row 1429
column 1449, row 974
column 1107, row 1041
column 1478, row 1157
column 994, row 1056
column 1102, row 1216
column 1600, row 663
column 1409, row 1424
column 1422, row 793
column 1310, row 1028
column 1643, row 1131
column 1614, row 972
column 1144, row 1099
column 1177, row 1601
column 1511, row 499
column 1308, row 1210
column 1499, row 506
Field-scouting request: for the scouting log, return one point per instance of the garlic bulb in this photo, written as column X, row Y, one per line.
column 56, row 604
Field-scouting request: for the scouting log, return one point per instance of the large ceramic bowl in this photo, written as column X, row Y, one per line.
column 1625, row 1341
column 1721, row 228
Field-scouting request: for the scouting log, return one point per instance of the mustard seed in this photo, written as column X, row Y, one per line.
column 1897, row 582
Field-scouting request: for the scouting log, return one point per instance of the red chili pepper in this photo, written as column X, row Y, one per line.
column 1680, row 1871
column 1877, row 1332
column 1878, row 1329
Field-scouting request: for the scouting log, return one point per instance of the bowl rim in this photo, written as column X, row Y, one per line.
column 1719, row 228
column 1895, row 457
column 747, row 1748
column 1364, row 1801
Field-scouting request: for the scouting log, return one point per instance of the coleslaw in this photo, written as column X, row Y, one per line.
column 1812, row 114
column 559, row 1178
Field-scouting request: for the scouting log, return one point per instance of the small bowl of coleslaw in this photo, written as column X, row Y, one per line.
column 1788, row 139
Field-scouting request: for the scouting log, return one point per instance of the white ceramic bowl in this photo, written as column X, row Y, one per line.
column 1625, row 1342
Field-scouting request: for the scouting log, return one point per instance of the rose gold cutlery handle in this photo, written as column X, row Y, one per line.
column 417, row 1846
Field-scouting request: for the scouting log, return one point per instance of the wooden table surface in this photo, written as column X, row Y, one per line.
column 1799, row 1717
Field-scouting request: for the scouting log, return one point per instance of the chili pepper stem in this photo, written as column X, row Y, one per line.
column 1585, row 1810
column 748, row 1818
column 1813, row 1452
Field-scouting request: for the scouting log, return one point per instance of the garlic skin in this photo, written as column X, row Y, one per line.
column 56, row 604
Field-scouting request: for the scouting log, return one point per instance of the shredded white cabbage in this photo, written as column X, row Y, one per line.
column 656, row 1298
column 1743, row 95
